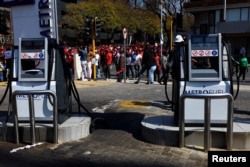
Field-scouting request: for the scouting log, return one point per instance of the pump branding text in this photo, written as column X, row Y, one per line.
column 45, row 20
column 206, row 91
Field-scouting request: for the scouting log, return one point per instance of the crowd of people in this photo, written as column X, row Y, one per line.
column 5, row 60
column 130, row 63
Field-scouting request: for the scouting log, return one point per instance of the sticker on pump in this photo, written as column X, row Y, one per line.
column 199, row 53
column 32, row 55
column 41, row 55
column 215, row 53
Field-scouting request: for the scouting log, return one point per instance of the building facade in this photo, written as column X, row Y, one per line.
column 231, row 18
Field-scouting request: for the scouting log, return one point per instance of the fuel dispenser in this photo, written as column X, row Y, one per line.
column 38, row 64
column 202, row 65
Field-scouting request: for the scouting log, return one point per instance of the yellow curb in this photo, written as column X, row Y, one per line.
column 135, row 104
column 3, row 83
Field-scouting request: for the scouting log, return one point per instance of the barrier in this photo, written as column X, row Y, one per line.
column 207, row 118
column 32, row 114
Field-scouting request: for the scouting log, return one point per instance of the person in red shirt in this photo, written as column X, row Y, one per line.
column 108, row 63
column 70, row 61
column 158, row 71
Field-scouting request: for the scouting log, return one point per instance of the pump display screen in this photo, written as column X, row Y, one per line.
column 32, row 45
column 202, row 40
column 204, row 43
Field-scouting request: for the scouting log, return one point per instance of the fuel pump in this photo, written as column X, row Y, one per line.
column 201, row 65
column 39, row 65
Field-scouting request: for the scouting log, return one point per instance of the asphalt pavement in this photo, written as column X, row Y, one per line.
column 117, row 140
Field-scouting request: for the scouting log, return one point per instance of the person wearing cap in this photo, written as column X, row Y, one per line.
column 178, row 39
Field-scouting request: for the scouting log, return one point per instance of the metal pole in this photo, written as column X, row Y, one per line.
column 32, row 119
column 181, row 122
column 230, row 124
column 171, row 32
column 93, row 45
column 124, row 31
column 161, row 38
column 207, row 121
column 14, row 108
column 125, row 54
column 31, row 112
column 225, row 10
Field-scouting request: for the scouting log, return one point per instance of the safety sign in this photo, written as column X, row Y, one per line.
column 33, row 55
column 197, row 53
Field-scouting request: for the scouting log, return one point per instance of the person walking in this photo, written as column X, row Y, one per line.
column 243, row 66
column 148, row 64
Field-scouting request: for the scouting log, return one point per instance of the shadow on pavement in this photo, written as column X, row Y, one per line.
column 126, row 121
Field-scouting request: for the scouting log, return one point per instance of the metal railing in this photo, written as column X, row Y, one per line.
column 207, row 118
column 30, row 94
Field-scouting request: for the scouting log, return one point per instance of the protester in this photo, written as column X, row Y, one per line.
column 137, row 63
column 2, row 69
column 97, row 64
column 164, row 60
column 83, row 58
column 90, row 57
column 108, row 63
column 148, row 64
column 70, row 61
column 158, row 71
column 120, row 66
column 129, row 64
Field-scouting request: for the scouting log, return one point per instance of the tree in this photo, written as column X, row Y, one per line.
column 113, row 14
column 170, row 10
column 3, row 26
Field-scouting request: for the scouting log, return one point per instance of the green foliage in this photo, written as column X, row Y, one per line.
column 3, row 26
column 114, row 15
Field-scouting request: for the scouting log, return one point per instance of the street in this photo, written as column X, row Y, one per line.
column 117, row 140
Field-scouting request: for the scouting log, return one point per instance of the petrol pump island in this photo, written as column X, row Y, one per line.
column 202, row 98
column 41, row 89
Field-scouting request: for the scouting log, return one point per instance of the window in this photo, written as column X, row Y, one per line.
column 244, row 14
column 233, row 15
